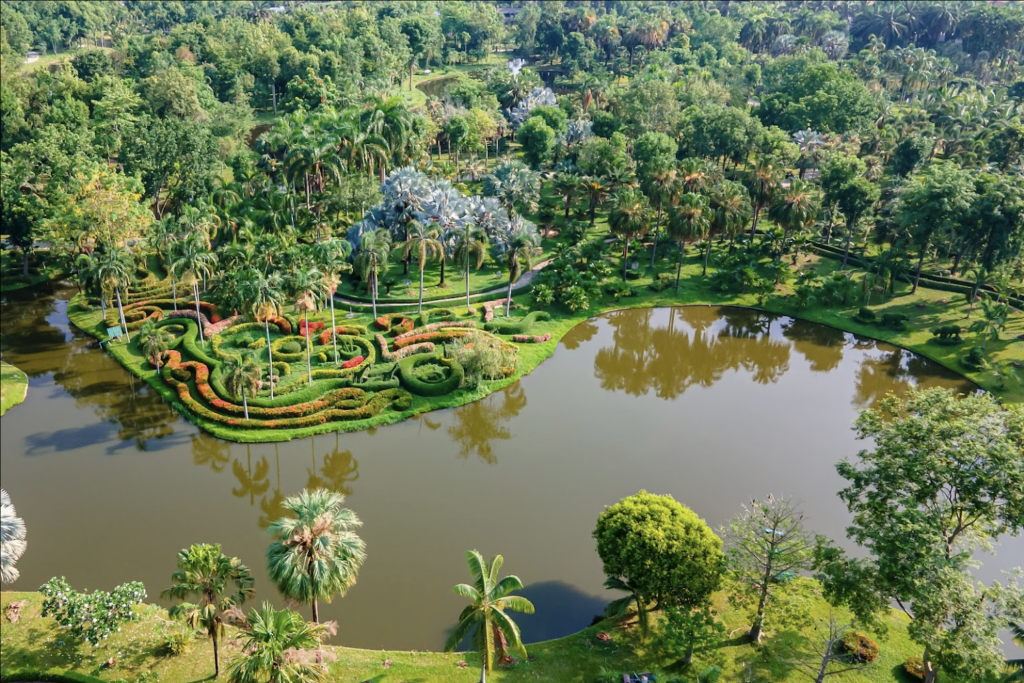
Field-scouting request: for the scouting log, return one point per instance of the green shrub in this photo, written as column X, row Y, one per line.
column 439, row 314
column 282, row 369
column 521, row 326
column 617, row 290
column 257, row 344
column 181, row 643
column 914, row 667
column 974, row 359
column 859, row 646
column 866, row 316
column 291, row 347
column 322, row 357
column 895, row 321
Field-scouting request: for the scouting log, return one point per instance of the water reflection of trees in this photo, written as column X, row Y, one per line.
column 821, row 345
column 251, row 482
column 475, row 426
column 697, row 347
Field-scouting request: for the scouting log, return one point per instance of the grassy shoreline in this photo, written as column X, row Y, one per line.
column 13, row 387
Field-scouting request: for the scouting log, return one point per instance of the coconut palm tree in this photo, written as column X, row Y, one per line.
column 218, row 583
column 518, row 246
column 273, row 648
column 305, row 285
column 195, row 262
column 153, row 341
column 691, row 219
column 662, row 186
column 315, row 554
column 730, row 206
column 12, row 539
column 423, row 242
column 764, row 180
column 794, row 208
column 566, row 185
column 331, row 257
column 627, row 219
column 263, row 293
column 493, row 632
column 242, row 376
column 373, row 255
column 116, row 269
column 470, row 250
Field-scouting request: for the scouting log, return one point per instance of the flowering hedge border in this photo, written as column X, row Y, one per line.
column 435, row 327
column 439, row 336
column 394, row 323
column 216, row 328
column 531, row 338
column 386, row 354
column 285, row 355
column 342, row 330
column 489, row 307
column 314, row 327
column 282, row 323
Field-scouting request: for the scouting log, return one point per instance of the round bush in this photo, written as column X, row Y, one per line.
column 859, row 646
column 291, row 347
column 914, row 667
column 428, row 375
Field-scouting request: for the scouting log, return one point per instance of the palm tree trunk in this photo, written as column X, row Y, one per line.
column 270, row 355
column 120, row 309
column 707, row 255
column 625, row 256
column 920, row 265
column 316, row 612
column 508, row 298
column 216, row 657
column 334, row 336
column 174, row 293
column 420, row 310
column 679, row 266
column 309, row 363
column 657, row 225
column 245, row 405
column 846, row 252
column 467, row 283
column 373, row 293
column 441, row 284
column 753, row 224
column 199, row 316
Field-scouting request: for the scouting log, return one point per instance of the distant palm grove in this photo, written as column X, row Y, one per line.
column 295, row 217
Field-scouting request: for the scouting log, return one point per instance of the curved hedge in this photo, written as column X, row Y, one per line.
column 47, row 675
column 396, row 324
column 521, row 326
column 280, row 354
column 451, row 382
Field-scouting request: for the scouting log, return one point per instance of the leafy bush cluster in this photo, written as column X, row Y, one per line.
column 858, row 646
column 574, row 277
column 90, row 617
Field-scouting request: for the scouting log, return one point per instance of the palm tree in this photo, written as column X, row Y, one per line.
column 208, row 574
column 764, row 180
column 628, row 219
column 619, row 607
column 195, row 263
column 810, row 144
column 795, row 208
column 518, row 246
column 153, row 342
column 331, row 257
column 730, row 205
column 597, row 191
column 514, row 183
column 994, row 321
column 374, row 252
column 305, row 284
column 662, row 186
column 272, row 650
column 422, row 241
column 315, row 554
column 493, row 631
column 263, row 292
column 12, row 539
column 242, row 376
column 1017, row 633
column 116, row 269
column 567, row 185
column 391, row 121
column 690, row 220
column 470, row 248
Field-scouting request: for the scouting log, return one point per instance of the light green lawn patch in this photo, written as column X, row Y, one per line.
column 13, row 386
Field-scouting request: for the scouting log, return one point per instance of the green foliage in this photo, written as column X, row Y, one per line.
column 277, row 647
column 661, row 549
column 179, row 643
column 90, row 617
column 947, row 335
column 521, row 326
column 427, row 375
column 688, row 631
column 858, row 646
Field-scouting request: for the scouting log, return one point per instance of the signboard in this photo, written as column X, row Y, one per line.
column 114, row 332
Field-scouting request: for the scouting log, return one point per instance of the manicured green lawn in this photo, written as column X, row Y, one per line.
column 13, row 386
column 34, row 644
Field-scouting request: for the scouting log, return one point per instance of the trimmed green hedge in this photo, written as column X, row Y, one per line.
column 407, row 373
column 521, row 326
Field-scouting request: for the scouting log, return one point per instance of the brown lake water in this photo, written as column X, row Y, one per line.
column 713, row 405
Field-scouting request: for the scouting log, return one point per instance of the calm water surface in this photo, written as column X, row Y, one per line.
column 715, row 406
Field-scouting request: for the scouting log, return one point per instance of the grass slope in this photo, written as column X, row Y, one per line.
column 13, row 386
column 34, row 644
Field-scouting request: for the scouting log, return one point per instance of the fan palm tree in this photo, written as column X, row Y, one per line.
column 273, row 646
column 730, row 206
column 627, row 219
column 116, row 269
column 485, row 620
column 208, row 574
column 12, row 539
column 374, row 252
column 306, row 284
column 518, row 247
column 195, row 262
column 794, row 208
column 597, row 191
column 331, row 257
column 691, row 219
column 470, row 250
column 662, row 186
column 315, row 554
column 263, row 293
column 242, row 376
column 153, row 341
column 764, row 180
column 423, row 243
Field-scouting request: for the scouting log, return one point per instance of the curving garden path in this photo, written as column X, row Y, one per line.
column 524, row 281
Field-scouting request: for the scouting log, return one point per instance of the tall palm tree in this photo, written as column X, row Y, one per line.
column 492, row 631
column 518, row 246
column 263, row 293
column 315, row 554
column 566, row 185
column 306, row 284
column 423, row 243
column 627, row 219
column 764, row 180
column 153, row 342
column 242, row 376
column 662, row 186
column 597, row 191
column 12, row 539
column 794, row 208
column 116, row 269
column 390, row 120
column 195, row 263
column 207, row 574
column 730, row 205
column 331, row 257
column 373, row 255
column 691, row 219
column 470, row 250
column 273, row 641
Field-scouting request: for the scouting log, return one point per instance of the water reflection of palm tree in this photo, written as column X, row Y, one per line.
column 880, row 375
column 583, row 332
column 273, row 507
column 821, row 345
column 476, row 425
column 340, row 468
column 250, row 484
column 209, row 452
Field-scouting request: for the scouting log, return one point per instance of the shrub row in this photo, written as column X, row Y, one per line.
column 489, row 307
column 521, row 326
column 283, row 324
column 424, row 347
column 314, row 327
column 531, row 339
column 438, row 337
column 434, row 327
column 342, row 330
column 396, row 324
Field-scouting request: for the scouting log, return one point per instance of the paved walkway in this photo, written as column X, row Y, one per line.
column 525, row 280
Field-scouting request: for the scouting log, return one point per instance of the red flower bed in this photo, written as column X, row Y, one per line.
column 531, row 338
column 314, row 327
column 341, row 330
column 438, row 336
column 282, row 324
column 395, row 324
column 353, row 362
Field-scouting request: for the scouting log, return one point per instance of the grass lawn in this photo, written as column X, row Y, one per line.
column 34, row 644
column 13, row 386
column 416, row 98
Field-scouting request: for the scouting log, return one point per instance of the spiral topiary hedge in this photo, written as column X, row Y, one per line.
column 446, row 383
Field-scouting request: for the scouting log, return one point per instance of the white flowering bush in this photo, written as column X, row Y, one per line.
column 91, row 617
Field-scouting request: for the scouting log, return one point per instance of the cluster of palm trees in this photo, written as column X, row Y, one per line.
column 314, row 556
